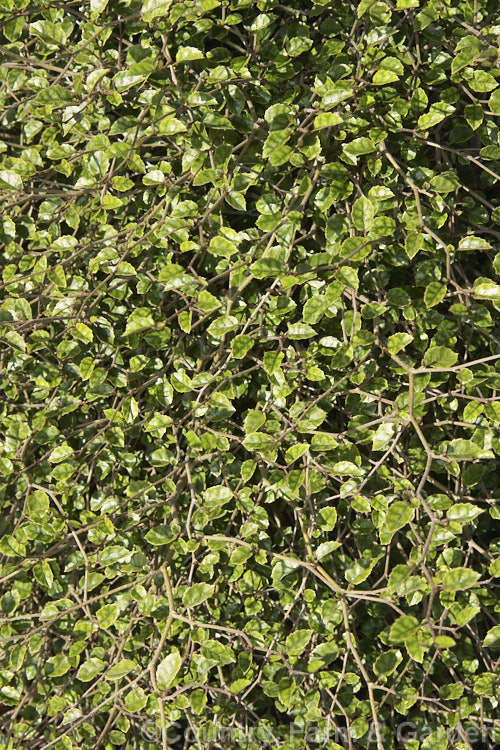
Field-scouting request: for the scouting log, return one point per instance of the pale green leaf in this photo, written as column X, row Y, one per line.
column 197, row 594
column 167, row 670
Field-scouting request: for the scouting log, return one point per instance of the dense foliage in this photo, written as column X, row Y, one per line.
column 249, row 373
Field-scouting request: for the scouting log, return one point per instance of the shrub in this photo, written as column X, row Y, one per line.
column 249, row 347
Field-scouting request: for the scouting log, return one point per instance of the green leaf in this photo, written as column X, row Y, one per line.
column 57, row 665
column 436, row 114
column 323, row 441
column 297, row 331
column 218, row 495
column 459, row 579
column 90, row 669
column 272, row 361
column 155, row 9
column 222, row 246
column 240, row 555
column 325, row 548
column 451, row 691
column 161, row 535
column 403, row 629
column 223, row 325
column 174, row 277
column 473, row 243
column 463, row 512
column 297, row 45
column 487, row 290
column 124, row 80
column 383, row 435
column 359, row 570
column 398, row 515
column 359, row 146
column 413, row 243
column 295, row 452
column 10, row 547
column 258, row 441
column 61, row 453
column 322, row 655
column 389, row 70
column 185, row 54
column 494, row 568
column 10, row 180
column 297, row 641
column 346, row 467
column 185, row 319
column 154, row 177
column 197, row 594
column 181, row 382
column 486, row 683
column 171, row 126
column 253, row 420
column 241, row 345
column 218, row 652
column 87, row 366
column 383, row 77
column 327, row 120
column 135, row 700
column 107, row 615
column 439, row 356
column 494, row 102
column 492, row 638
column 446, row 182
column 236, row 200
column 239, row 685
column 120, row 669
column 314, row 309
column 207, row 302
column 336, row 93
column 97, row 6
column 473, row 411
column 402, row 582
column 114, row 554
column 434, row 293
column 139, row 320
column 83, row 333
column 15, row 340
column 474, row 115
column 349, row 277
column 43, row 574
column 482, row 81
column 386, row 663
column 363, row 213
column 398, row 341
column 327, row 518
column 466, row 450
column 167, row 670
column 266, row 267
column 277, row 116
column 247, row 469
